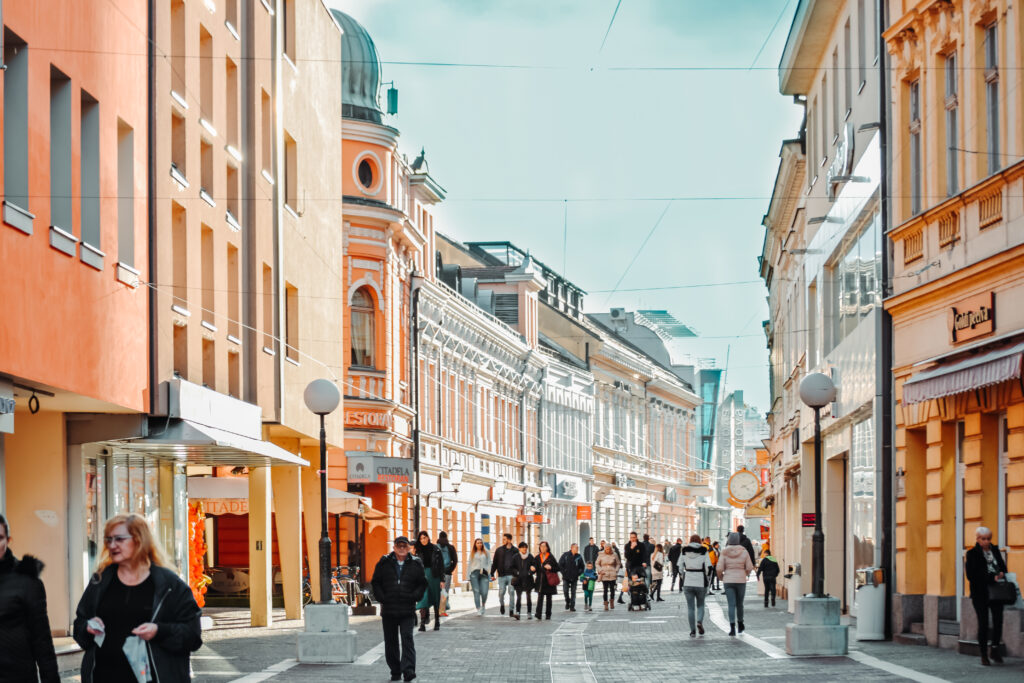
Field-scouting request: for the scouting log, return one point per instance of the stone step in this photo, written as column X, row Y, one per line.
column 970, row 647
column 910, row 639
column 948, row 642
column 949, row 627
column 917, row 628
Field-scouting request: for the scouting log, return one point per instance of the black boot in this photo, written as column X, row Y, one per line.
column 424, row 615
column 437, row 619
column 732, row 629
column 996, row 657
column 741, row 626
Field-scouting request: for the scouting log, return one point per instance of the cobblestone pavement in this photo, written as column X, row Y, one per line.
column 588, row 647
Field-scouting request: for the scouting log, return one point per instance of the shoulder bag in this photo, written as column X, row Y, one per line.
column 552, row 578
column 1002, row 593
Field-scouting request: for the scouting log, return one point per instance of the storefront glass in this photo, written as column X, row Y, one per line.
column 862, row 466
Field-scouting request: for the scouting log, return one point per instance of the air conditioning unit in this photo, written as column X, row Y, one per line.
column 618, row 314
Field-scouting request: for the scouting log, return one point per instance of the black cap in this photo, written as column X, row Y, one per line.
column 402, row 539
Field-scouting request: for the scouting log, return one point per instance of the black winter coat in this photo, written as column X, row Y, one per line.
column 673, row 553
column 977, row 571
column 502, row 564
column 25, row 643
column 768, row 568
column 431, row 558
column 543, row 588
column 745, row 542
column 571, row 566
column 590, row 553
column 524, row 578
column 175, row 614
column 398, row 596
column 453, row 557
column 635, row 557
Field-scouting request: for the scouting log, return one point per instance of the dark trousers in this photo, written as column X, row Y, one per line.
column 569, row 593
column 656, row 589
column 520, row 592
column 541, row 598
column 982, row 608
column 675, row 575
column 401, row 661
column 609, row 590
column 769, row 590
column 715, row 582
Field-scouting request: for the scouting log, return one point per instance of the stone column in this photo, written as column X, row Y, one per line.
column 287, row 492
column 259, row 546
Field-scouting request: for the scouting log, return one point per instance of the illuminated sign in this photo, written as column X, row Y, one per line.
column 368, row 468
column 368, row 419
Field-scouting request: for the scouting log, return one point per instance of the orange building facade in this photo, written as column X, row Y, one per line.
column 957, row 305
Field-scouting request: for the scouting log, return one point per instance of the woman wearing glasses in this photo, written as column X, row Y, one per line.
column 134, row 598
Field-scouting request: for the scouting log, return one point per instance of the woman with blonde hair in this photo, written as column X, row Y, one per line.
column 134, row 602
column 479, row 574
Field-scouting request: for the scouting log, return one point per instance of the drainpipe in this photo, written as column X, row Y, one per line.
column 414, row 380
column 151, row 202
column 883, row 381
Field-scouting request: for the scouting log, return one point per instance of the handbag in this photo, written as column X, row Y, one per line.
column 658, row 566
column 552, row 578
column 1002, row 593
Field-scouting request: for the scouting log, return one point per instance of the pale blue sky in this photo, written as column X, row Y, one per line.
column 585, row 130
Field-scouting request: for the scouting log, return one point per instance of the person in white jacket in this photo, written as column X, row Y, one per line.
column 694, row 565
column 734, row 566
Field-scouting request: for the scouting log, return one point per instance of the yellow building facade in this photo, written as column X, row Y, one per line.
column 957, row 305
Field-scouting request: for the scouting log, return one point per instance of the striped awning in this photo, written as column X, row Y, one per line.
column 976, row 372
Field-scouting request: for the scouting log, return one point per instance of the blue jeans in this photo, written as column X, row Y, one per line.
column 734, row 594
column 695, row 595
column 505, row 584
column 481, row 584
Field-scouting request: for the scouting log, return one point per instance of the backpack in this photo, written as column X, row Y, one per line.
column 446, row 556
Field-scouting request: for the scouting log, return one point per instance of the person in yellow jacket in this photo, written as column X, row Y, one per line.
column 713, row 554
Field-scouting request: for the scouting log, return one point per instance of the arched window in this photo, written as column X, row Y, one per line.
column 363, row 337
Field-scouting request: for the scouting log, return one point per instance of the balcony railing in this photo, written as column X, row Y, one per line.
column 990, row 208
column 366, row 384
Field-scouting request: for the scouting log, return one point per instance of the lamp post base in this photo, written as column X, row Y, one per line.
column 326, row 638
column 817, row 630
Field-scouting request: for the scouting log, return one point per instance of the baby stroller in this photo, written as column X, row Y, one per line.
column 639, row 597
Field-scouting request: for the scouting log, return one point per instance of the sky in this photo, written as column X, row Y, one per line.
column 680, row 161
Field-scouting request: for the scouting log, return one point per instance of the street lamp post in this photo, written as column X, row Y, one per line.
column 817, row 391
column 322, row 397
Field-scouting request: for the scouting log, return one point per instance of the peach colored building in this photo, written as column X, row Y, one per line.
column 957, row 305
column 74, row 339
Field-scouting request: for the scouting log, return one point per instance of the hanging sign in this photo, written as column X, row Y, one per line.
column 972, row 317
column 583, row 513
column 807, row 519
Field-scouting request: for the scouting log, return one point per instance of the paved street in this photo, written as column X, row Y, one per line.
column 598, row 646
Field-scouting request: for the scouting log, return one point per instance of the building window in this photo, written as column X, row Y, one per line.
column 179, row 255
column 205, row 75
column 363, row 335
column 267, row 126
column 15, row 121
column 914, row 130
column 291, row 322
column 810, row 135
column 268, row 308
column 291, row 172
column 952, row 128
column 835, row 95
column 365, row 172
column 209, row 364
column 847, row 69
column 89, row 162
column 823, row 120
column 178, row 50
column 206, row 171
column 231, row 16
column 231, row 104
column 234, row 293
column 288, row 18
column 178, row 148
column 125, row 194
column 992, row 97
column 854, row 285
column 60, row 150
column 208, row 297
column 862, row 48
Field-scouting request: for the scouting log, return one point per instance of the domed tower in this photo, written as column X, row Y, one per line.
column 360, row 72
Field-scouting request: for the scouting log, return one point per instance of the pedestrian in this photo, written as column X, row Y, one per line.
column 501, row 567
column 636, row 556
column 589, row 584
column 618, row 553
column 591, row 551
column 399, row 582
column 572, row 566
column 134, row 602
column 673, row 560
column 747, row 545
column 607, row 568
column 714, row 553
column 694, row 565
column 657, row 572
column 433, row 570
column 769, row 570
column 733, row 568
column 547, row 578
column 985, row 568
column 26, row 648
column 649, row 547
column 525, row 574
column 451, row 560
column 479, row 574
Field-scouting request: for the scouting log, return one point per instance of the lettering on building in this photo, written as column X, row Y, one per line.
column 973, row 317
column 368, row 419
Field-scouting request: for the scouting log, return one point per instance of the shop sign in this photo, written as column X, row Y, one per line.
column 530, row 519
column 368, row 419
column 368, row 468
column 226, row 506
column 6, row 407
column 807, row 519
column 583, row 513
column 972, row 317
column 765, row 474
column 766, row 533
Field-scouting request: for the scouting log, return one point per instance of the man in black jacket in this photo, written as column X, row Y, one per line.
column 637, row 557
column 673, row 559
column 398, row 584
column 745, row 542
column 984, row 566
column 591, row 552
column 572, row 567
column 769, row 569
column 502, row 567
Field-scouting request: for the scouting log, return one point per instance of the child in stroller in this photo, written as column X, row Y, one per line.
column 639, row 598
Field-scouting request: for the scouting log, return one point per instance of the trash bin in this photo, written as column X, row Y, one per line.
column 793, row 587
column 870, row 603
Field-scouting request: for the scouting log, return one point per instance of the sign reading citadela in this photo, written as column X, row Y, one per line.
column 371, row 468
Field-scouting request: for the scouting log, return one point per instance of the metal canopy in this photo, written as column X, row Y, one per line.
column 977, row 372
column 195, row 444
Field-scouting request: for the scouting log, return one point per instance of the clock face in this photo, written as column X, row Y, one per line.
column 743, row 485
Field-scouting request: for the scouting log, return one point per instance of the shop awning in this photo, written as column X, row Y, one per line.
column 189, row 442
column 231, row 496
column 977, row 372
